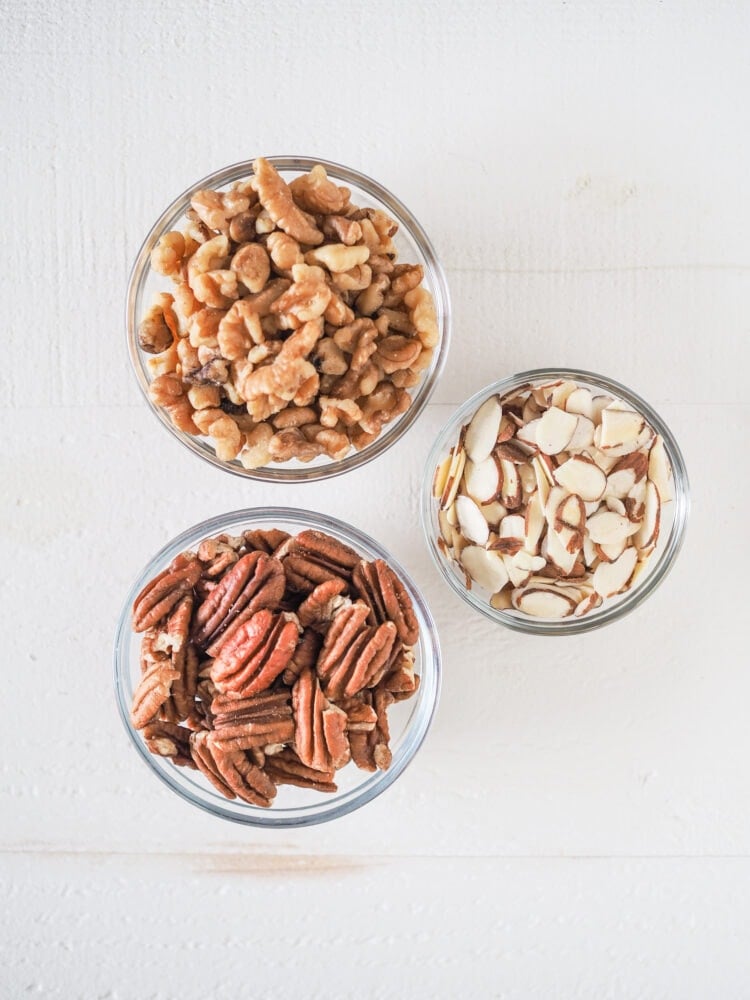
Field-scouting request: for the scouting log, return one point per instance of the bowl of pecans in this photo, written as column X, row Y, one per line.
column 555, row 501
column 276, row 667
column 287, row 318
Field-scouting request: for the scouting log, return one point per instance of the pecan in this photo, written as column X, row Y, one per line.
column 162, row 593
column 387, row 598
column 155, row 685
column 370, row 750
column 174, row 641
column 319, row 727
column 254, row 656
column 255, row 581
column 361, row 716
column 314, row 557
column 354, row 655
column 319, row 606
column 286, row 768
column 305, row 655
column 401, row 681
column 266, row 540
column 232, row 772
column 247, row 723
column 168, row 740
column 218, row 554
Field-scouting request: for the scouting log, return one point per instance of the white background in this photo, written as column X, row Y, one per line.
column 577, row 824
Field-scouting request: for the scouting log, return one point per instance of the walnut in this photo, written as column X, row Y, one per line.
column 223, row 429
column 404, row 278
column 343, row 230
column 398, row 321
column 334, row 410
column 217, row 289
column 371, row 299
column 329, row 357
column 383, row 405
column 292, row 443
column 185, row 301
column 333, row 441
column 242, row 227
column 397, row 352
column 168, row 256
column 213, row 255
column 422, row 315
column 159, row 326
column 338, row 257
column 239, row 329
column 276, row 198
column 355, row 280
column 315, row 193
column 294, row 416
column 215, row 209
column 203, row 327
column 252, row 266
column 306, row 298
column 204, row 397
column 168, row 392
column 255, row 452
column 284, row 252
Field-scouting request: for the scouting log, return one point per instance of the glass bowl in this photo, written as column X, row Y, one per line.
column 409, row 720
column 413, row 247
column 673, row 514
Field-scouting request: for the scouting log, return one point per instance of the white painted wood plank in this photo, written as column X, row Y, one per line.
column 128, row 928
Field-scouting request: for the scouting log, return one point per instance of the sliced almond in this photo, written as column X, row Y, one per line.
column 604, row 460
column 511, row 493
column 608, row 528
column 493, row 512
column 609, row 553
column 482, row 479
column 514, row 451
column 648, row 532
column 527, row 561
column 583, row 435
column 534, row 523
column 582, row 476
column 451, row 515
column 471, row 520
column 620, row 482
column 598, row 405
column 481, row 434
column 455, row 471
column 556, row 428
column 441, row 477
column 590, row 554
column 659, row 469
column 446, row 529
column 560, row 393
column 591, row 507
column 580, row 401
column 485, row 568
column 507, row 428
column 616, row 505
column 570, row 517
column 619, row 428
column 512, row 526
column 611, row 578
column 501, row 601
column 589, row 603
column 518, row 575
column 543, row 602
column 531, row 411
column 527, row 433
column 528, row 478
column 556, row 496
column 556, row 552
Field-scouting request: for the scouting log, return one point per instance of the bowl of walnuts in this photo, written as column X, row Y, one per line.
column 287, row 318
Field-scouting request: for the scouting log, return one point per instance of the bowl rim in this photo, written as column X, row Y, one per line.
column 435, row 280
column 327, row 808
column 665, row 558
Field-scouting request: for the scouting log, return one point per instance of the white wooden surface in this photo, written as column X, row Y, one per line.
column 578, row 822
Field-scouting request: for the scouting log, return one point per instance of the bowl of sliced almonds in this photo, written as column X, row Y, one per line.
column 555, row 501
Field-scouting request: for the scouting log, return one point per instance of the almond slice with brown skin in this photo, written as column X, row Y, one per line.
column 616, row 505
column 441, row 476
column 481, row 434
column 511, row 493
column 582, row 476
column 482, row 479
column 543, row 603
column 485, row 568
column 471, row 520
column 598, row 405
column 561, row 393
column 590, row 554
column 648, row 532
column 493, row 512
column 611, row 578
column 526, row 561
column 534, row 523
column 609, row 553
column 580, row 401
column 607, row 528
column 455, row 471
column 519, row 576
column 569, row 520
column 554, row 551
column 619, row 428
column 583, row 435
column 527, row 433
column 588, row 603
column 555, row 429
column 659, row 470
column 501, row 601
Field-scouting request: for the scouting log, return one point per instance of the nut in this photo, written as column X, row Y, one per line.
column 255, row 654
column 554, row 509
column 320, row 739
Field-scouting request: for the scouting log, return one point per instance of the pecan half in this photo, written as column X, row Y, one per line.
column 370, row 750
column 286, row 768
column 168, row 740
column 232, row 772
column 354, row 656
column 381, row 589
column 314, row 557
column 266, row 540
column 161, row 594
column 319, row 727
column 254, row 656
column 320, row 605
column 255, row 581
column 155, row 686
column 247, row 723
column 305, row 655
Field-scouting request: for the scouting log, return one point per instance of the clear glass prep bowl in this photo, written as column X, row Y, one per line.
column 409, row 720
column 413, row 247
column 673, row 521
